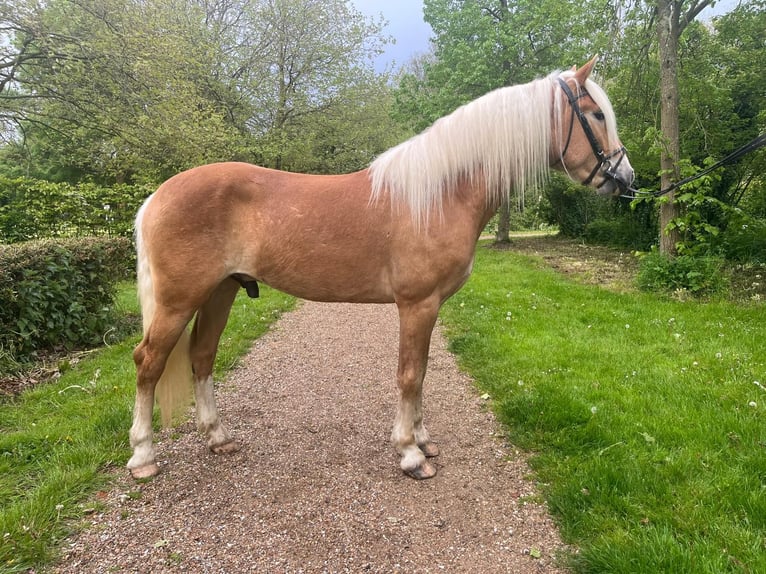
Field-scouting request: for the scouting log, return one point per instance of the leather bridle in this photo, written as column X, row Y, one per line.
column 605, row 162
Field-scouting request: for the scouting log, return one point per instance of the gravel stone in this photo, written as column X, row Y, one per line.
column 316, row 486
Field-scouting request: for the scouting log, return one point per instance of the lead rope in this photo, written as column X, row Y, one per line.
column 733, row 157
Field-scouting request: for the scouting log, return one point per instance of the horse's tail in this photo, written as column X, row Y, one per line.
column 174, row 388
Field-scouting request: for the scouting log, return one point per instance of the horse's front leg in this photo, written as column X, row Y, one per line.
column 410, row 437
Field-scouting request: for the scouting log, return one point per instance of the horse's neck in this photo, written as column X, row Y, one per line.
column 474, row 201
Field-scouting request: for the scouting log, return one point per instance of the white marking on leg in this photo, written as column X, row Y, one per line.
column 208, row 421
column 421, row 434
column 141, row 431
column 403, row 435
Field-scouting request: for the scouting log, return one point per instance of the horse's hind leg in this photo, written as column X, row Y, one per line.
column 210, row 322
column 151, row 356
column 410, row 437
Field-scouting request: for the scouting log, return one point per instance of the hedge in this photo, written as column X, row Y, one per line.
column 58, row 293
column 35, row 209
column 580, row 213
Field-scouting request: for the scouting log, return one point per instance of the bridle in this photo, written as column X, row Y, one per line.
column 605, row 162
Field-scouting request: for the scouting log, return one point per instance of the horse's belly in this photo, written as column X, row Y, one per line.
column 329, row 290
column 326, row 277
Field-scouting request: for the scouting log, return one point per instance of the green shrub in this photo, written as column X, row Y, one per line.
column 698, row 275
column 58, row 293
column 570, row 206
column 580, row 213
column 34, row 209
column 744, row 241
column 635, row 230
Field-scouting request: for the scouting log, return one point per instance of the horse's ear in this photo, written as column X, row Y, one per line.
column 583, row 73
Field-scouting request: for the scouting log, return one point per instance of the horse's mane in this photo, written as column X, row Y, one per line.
column 503, row 136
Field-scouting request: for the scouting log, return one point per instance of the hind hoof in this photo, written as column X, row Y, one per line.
column 229, row 447
column 422, row 472
column 144, row 472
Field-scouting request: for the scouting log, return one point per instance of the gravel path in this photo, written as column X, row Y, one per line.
column 317, row 486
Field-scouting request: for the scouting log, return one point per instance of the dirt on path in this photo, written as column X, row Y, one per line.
column 317, row 486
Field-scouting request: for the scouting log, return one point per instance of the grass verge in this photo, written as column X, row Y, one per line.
column 58, row 440
column 645, row 416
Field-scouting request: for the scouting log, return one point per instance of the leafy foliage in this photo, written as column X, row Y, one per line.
column 58, row 293
column 127, row 91
column 579, row 213
column 700, row 275
column 36, row 209
column 719, row 110
column 744, row 240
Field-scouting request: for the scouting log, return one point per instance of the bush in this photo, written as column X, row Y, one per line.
column 58, row 293
column 570, row 206
column 34, row 209
column 700, row 275
column 744, row 241
column 632, row 230
column 580, row 213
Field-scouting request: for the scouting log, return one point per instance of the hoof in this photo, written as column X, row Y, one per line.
column 146, row 471
column 229, row 447
column 422, row 472
column 429, row 449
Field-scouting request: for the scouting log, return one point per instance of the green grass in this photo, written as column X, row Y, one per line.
column 58, row 441
column 645, row 418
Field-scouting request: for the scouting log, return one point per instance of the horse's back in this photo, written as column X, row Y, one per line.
column 315, row 236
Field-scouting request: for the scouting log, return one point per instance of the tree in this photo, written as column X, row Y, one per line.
column 671, row 22
column 115, row 87
column 316, row 55
column 127, row 90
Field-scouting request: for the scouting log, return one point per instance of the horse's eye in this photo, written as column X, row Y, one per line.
column 599, row 116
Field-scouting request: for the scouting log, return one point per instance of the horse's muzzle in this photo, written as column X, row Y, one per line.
column 618, row 175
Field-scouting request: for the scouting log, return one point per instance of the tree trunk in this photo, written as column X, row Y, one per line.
column 503, row 233
column 504, row 215
column 668, row 32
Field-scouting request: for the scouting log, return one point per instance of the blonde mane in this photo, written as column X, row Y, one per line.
column 503, row 136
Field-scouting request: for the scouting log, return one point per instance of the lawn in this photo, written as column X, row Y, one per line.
column 644, row 417
column 59, row 441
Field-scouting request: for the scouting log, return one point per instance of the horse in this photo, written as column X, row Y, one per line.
column 403, row 231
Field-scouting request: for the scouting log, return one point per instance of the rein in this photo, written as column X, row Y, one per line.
column 733, row 157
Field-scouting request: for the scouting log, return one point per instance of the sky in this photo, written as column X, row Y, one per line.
column 405, row 25
column 411, row 33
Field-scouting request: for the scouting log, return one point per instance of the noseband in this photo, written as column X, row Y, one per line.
column 604, row 161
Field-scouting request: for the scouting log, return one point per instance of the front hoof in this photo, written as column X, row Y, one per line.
column 144, row 472
column 429, row 449
column 422, row 472
column 229, row 447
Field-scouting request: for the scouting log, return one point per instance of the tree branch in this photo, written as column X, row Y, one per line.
column 694, row 9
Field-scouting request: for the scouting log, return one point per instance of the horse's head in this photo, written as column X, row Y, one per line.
column 589, row 150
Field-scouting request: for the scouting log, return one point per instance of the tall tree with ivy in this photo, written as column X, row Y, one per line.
column 689, row 92
column 673, row 16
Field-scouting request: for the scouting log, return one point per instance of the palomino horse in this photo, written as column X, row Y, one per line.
column 402, row 231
